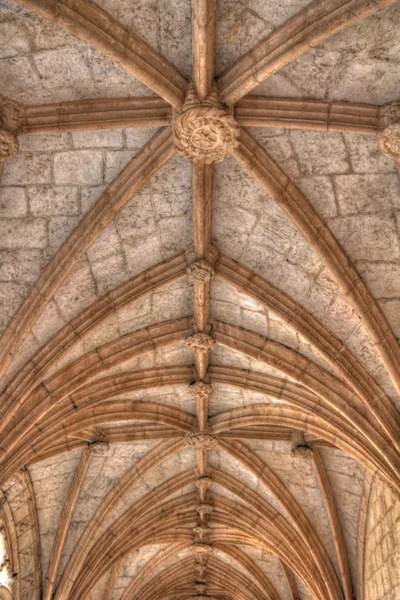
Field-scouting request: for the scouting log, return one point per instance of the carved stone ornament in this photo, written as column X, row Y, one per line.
column 99, row 446
column 200, row 341
column 302, row 452
column 200, row 271
column 201, row 531
column 201, row 440
column 390, row 114
column 300, row 448
column 200, row 390
column 201, row 548
column 202, row 484
column 8, row 144
column 200, row 570
column 389, row 141
column 201, row 588
column 205, row 509
column 203, row 131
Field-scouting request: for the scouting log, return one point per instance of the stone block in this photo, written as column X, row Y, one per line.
column 44, row 142
column 23, row 233
column 320, row 154
column 20, row 265
column 13, row 202
column 17, row 75
column 175, row 234
column 137, row 137
column 106, row 244
column 47, row 35
column 171, row 188
column 14, row 39
column 391, row 309
column 27, row 169
column 81, row 167
column 367, row 237
column 89, row 195
column 366, row 156
column 320, row 193
column 109, row 272
column 174, row 36
column 142, row 254
column 367, row 193
column 46, row 201
column 107, row 138
column 60, row 228
column 383, row 279
column 137, row 218
column 58, row 68
column 73, row 298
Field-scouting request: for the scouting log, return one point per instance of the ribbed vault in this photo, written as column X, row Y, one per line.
column 199, row 266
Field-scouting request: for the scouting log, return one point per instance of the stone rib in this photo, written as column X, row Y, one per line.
column 89, row 22
column 296, row 206
column 315, row 115
column 315, row 24
column 96, row 114
column 139, row 170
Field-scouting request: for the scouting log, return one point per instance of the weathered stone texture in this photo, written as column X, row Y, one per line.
column 56, row 178
column 382, row 545
column 32, row 57
column 51, row 481
column 348, row 66
column 18, row 497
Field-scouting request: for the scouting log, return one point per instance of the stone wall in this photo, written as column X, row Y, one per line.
column 382, row 549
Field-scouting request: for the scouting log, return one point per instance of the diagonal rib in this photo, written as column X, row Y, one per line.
column 316, row 23
column 138, row 171
column 95, row 26
column 296, row 206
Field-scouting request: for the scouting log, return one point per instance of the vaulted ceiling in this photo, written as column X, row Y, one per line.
column 199, row 295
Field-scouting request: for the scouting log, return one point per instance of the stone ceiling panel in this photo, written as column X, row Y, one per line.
column 55, row 179
column 359, row 64
column 271, row 566
column 299, row 477
column 103, row 474
column 34, row 67
column 51, row 481
column 346, row 477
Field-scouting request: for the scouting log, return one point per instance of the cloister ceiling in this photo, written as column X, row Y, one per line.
column 199, row 294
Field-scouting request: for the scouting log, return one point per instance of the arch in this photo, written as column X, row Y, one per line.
column 32, row 372
column 91, row 365
column 155, row 154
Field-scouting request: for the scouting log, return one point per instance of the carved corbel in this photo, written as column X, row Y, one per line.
column 205, row 509
column 389, row 141
column 201, row 391
column 8, row 129
column 200, row 571
column 201, row 532
column 201, row 548
column 202, row 484
column 300, row 448
column 99, row 446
